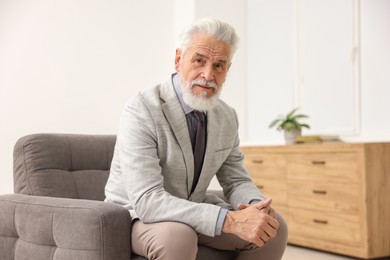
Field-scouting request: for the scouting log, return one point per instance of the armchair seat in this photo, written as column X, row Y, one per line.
column 36, row 227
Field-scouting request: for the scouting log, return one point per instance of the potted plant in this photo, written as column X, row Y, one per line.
column 290, row 124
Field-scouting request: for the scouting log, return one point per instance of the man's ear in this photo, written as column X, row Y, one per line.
column 177, row 59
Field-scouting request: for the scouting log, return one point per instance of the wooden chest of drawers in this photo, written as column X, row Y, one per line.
column 334, row 197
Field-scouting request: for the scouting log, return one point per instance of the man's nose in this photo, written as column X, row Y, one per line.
column 208, row 72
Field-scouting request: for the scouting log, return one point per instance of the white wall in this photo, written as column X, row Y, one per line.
column 69, row 66
column 270, row 67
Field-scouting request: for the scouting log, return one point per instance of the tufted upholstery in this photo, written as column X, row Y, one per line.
column 60, row 165
column 57, row 212
column 33, row 227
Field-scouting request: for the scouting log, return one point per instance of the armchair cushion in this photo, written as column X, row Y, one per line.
column 34, row 227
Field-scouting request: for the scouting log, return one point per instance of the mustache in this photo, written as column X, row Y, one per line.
column 203, row 82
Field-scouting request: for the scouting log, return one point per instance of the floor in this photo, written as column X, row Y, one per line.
column 300, row 253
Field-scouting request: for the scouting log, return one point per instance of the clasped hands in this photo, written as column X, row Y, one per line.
column 254, row 223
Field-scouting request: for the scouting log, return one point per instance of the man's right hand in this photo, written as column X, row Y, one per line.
column 251, row 223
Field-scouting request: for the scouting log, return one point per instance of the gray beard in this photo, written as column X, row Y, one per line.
column 201, row 102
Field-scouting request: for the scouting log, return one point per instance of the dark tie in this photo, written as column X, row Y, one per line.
column 200, row 146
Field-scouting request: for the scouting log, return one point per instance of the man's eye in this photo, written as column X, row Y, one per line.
column 198, row 62
column 219, row 67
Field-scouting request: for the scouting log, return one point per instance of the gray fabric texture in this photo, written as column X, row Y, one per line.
column 58, row 211
column 36, row 227
column 63, row 165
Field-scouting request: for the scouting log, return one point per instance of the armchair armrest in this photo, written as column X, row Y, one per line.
column 34, row 227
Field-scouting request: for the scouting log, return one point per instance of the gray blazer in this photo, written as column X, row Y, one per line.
column 153, row 165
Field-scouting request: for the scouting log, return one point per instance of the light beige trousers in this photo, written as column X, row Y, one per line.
column 177, row 241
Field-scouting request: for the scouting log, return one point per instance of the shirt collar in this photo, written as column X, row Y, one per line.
column 175, row 80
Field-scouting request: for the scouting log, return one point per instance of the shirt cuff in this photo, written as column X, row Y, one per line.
column 221, row 218
column 254, row 201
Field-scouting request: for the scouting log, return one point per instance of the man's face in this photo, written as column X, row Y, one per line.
column 206, row 60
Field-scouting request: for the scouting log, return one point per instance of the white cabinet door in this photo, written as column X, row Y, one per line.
column 327, row 64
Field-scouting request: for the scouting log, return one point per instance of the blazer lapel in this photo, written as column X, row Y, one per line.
column 177, row 120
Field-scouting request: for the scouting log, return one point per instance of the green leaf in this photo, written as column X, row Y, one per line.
column 300, row 116
column 288, row 125
column 305, row 126
column 289, row 115
column 275, row 122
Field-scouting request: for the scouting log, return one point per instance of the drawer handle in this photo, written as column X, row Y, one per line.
column 320, row 221
column 260, row 187
column 257, row 161
column 318, row 162
column 320, row 192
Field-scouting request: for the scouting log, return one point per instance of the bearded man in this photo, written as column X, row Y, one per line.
column 173, row 139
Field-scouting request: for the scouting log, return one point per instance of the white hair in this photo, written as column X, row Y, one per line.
column 213, row 27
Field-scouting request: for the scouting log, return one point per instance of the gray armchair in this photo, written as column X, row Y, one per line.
column 57, row 211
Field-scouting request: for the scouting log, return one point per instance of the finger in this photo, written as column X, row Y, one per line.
column 263, row 204
column 264, row 236
column 242, row 206
column 269, row 211
column 270, row 231
column 266, row 210
column 272, row 213
column 257, row 241
column 273, row 223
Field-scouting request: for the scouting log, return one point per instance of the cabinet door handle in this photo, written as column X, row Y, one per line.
column 320, row 221
column 320, row 192
column 260, row 187
column 257, row 161
column 318, row 162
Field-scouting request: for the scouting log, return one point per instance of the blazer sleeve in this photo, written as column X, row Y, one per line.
column 234, row 178
column 144, row 182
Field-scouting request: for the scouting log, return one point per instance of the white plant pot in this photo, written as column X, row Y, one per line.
column 289, row 136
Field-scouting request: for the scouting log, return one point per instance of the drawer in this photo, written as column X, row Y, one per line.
column 338, row 197
column 333, row 167
column 325, row 226
column 272, row 188
column 266, row 165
